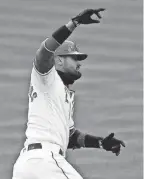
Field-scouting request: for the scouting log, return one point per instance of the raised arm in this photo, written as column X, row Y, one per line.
column 45, row 54
column 44, row 60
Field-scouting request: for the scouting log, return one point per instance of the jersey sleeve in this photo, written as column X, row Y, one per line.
column 71, row 123
column 39, row 80
column 71, row 127
column 43, row 81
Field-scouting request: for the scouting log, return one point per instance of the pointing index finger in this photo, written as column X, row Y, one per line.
column 122, row 143
column 98, row 10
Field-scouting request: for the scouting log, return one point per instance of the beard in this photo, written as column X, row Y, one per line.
column 68, row 78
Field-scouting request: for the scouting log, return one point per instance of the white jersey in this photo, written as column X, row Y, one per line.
column 50, row 115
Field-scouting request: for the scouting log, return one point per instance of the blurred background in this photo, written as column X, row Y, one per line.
column 109, row 94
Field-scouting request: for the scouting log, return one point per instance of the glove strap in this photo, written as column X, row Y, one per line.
column 75, row 22
column 100, row 144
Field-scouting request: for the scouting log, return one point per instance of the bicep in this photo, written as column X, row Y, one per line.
column 44, row 60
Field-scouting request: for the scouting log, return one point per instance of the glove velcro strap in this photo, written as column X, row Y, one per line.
column 75, row 22
column 100, row 144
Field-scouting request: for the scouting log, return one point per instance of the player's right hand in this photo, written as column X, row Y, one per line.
column 85, row 16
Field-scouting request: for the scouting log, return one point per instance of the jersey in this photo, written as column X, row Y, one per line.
column 51, row 107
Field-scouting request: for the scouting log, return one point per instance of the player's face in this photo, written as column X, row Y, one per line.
column 71, row 66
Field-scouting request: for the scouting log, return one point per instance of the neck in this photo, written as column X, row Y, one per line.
column 65, row 78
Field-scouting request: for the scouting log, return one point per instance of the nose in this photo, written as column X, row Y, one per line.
column 78, row 64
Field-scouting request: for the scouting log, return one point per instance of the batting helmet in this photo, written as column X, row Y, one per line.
column 70, row 48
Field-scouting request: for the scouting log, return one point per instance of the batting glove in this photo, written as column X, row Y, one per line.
column 112, row 144
column 85, row 16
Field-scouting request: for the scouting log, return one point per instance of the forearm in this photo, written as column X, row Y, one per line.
column 79, row 139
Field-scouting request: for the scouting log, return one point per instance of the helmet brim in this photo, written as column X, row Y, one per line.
column 80, row 56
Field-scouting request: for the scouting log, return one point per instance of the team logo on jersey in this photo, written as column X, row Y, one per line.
column 32, row 94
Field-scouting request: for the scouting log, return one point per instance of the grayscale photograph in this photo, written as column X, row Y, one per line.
column 71, row 85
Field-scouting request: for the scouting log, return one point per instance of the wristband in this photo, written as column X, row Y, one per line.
column 61, row 34
column 93, row 141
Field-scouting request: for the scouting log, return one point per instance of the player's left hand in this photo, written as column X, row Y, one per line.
column 112, row 144
column 85, row 16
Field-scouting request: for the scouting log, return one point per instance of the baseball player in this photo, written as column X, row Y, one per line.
column 50, row 128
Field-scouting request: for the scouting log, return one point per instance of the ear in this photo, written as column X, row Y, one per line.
column 60, row 60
